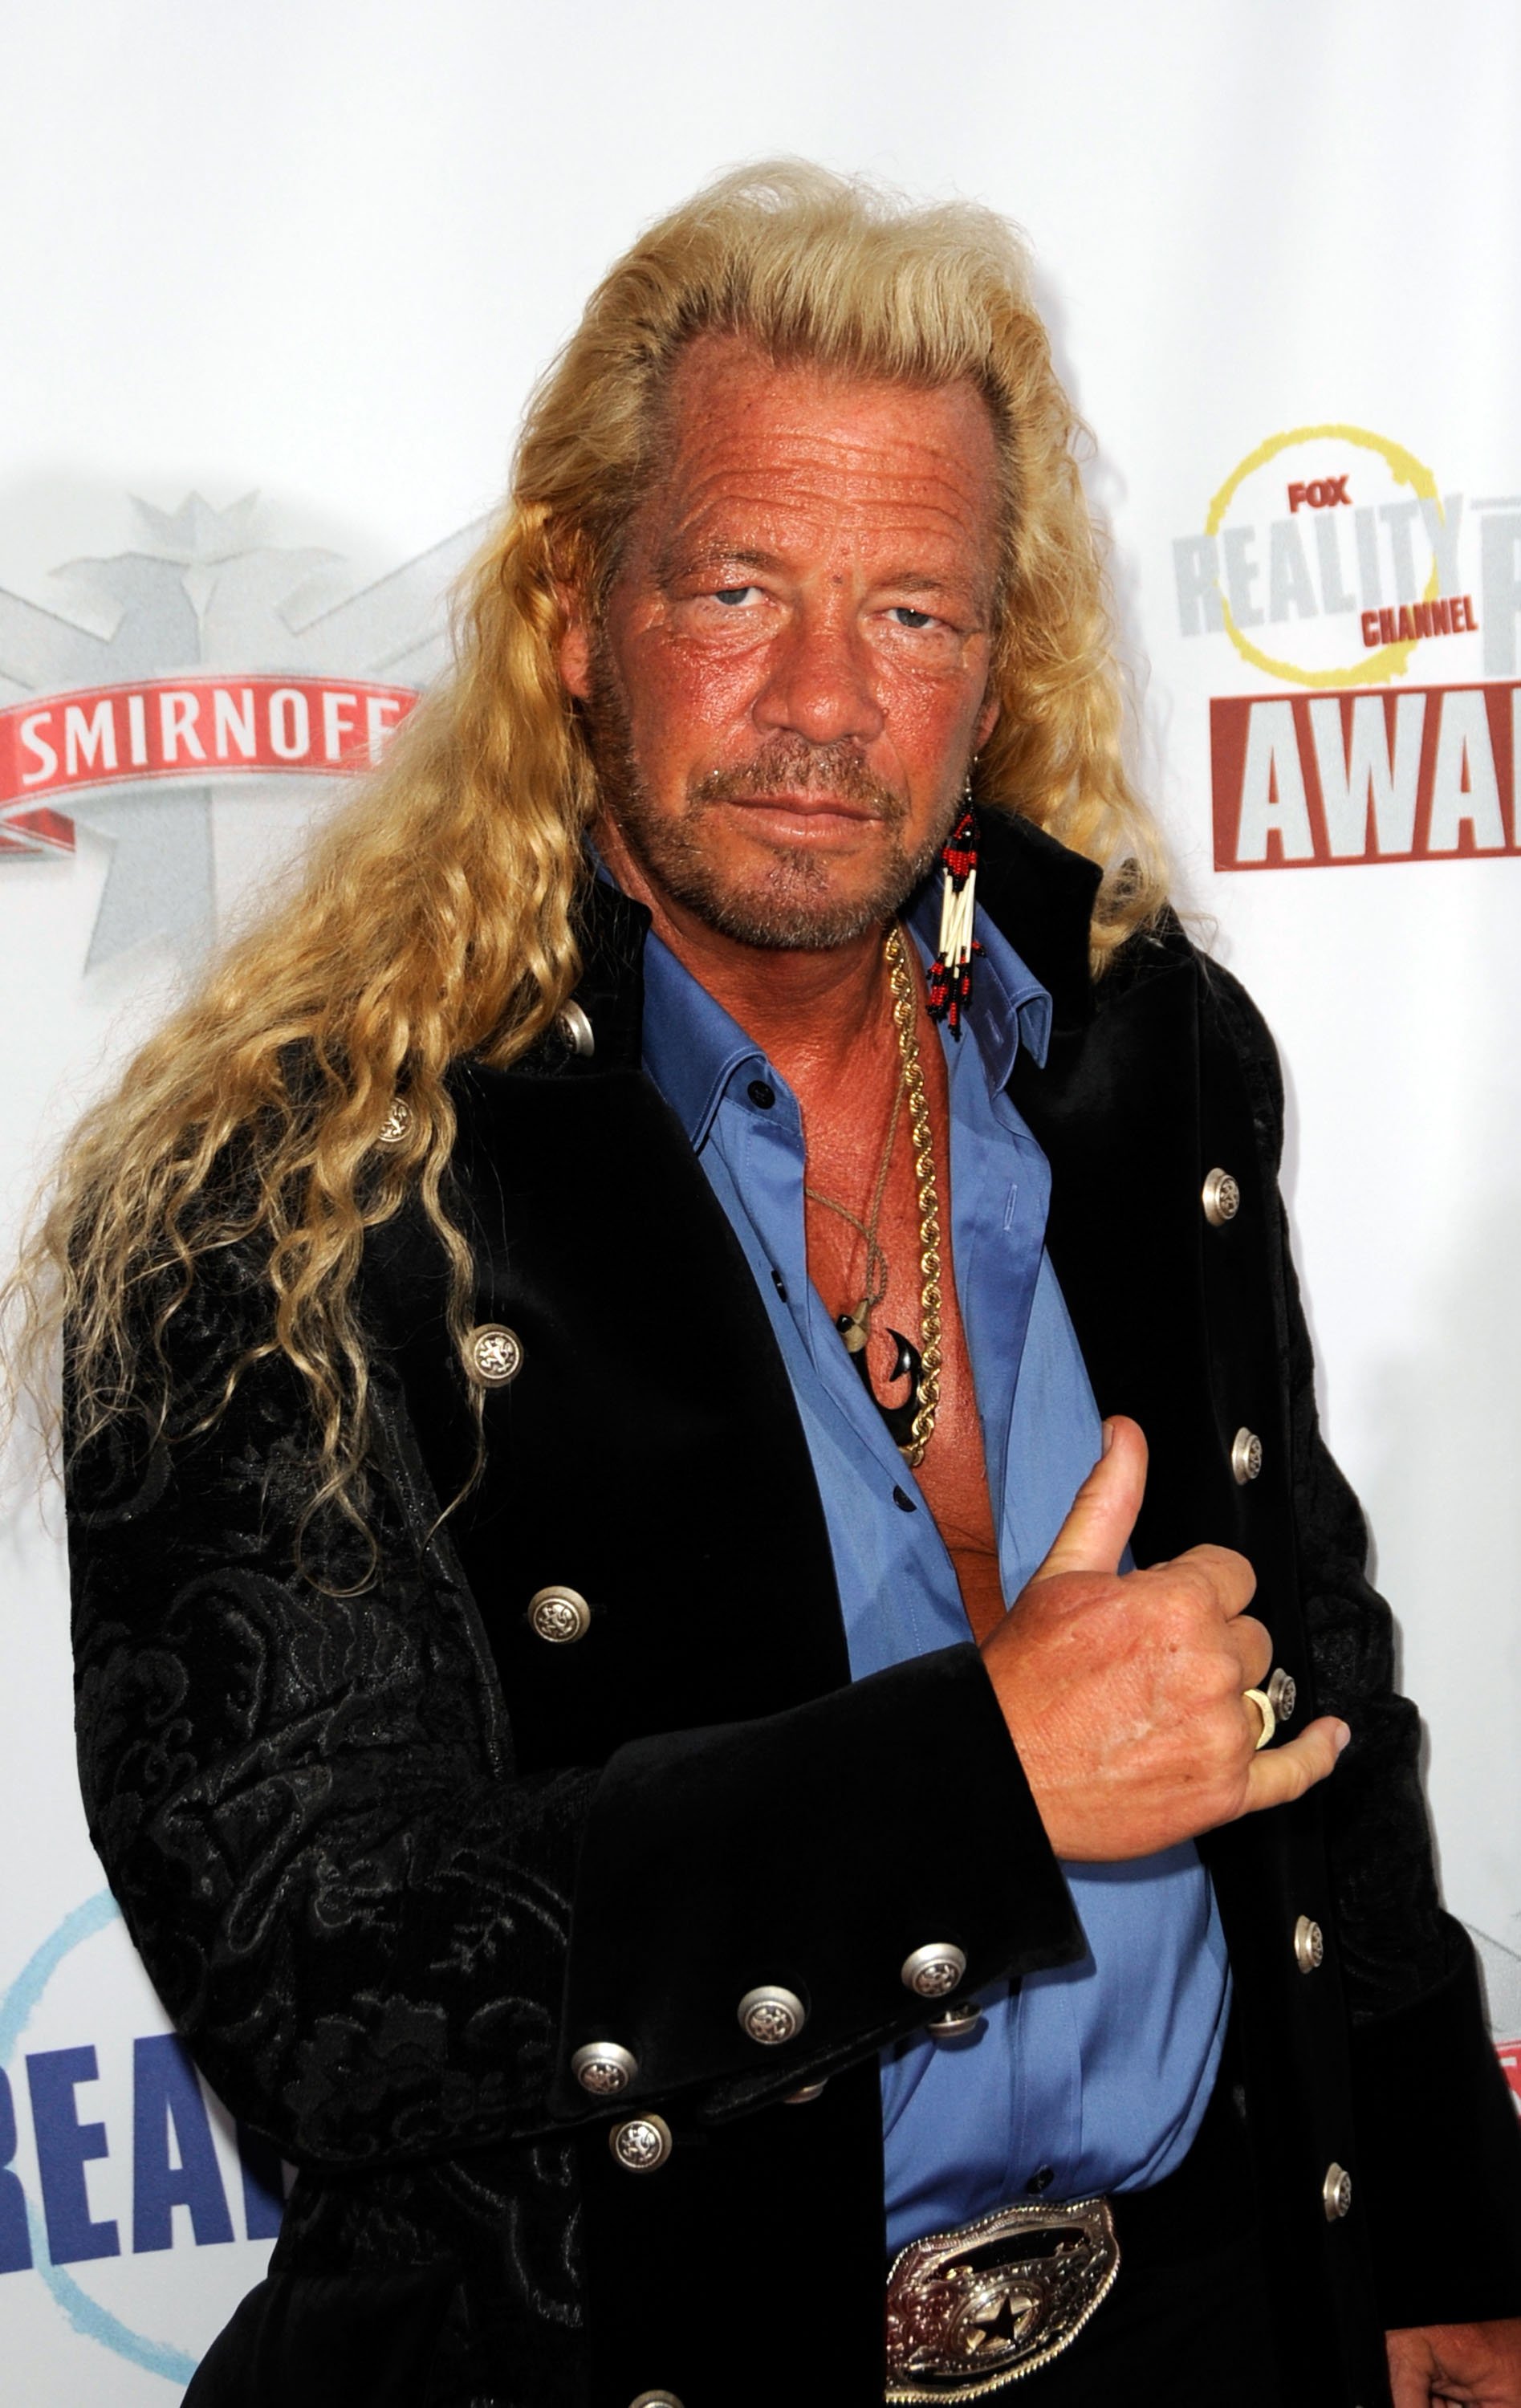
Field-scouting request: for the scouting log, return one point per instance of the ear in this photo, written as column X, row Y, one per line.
column 574, row 655
column 987, row 720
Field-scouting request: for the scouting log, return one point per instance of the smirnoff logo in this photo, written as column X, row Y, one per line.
column 180, row 729
column 226, row 659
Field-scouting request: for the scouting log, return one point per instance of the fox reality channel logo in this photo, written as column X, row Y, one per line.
column 1332, row 561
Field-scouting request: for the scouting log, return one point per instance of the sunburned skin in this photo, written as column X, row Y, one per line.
column 790, row 682
column 842, row 1164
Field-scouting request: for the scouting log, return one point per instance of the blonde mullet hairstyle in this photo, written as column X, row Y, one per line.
column 437, row 917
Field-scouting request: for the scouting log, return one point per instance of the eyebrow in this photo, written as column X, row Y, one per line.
column 675, row 561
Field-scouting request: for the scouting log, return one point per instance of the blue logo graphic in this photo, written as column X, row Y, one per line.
column 165, row 2095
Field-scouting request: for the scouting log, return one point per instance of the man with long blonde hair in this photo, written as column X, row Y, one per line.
column 616, row 1693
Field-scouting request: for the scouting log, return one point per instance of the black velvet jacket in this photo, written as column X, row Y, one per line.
column 390, row 1857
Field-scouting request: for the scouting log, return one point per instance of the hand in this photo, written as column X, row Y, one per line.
column 1476, row 2363
column 1123, row 1692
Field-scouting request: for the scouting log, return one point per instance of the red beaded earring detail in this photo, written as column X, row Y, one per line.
column 949, row 983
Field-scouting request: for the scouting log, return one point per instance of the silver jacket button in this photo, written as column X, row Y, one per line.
column 560, row 1614
column 397, row 1124
column 934, row 1971
column 772, row 2015
column 1283, row 1693
column 1308, row 1944
column 961, row 2016
column 1222, row 1198
column 603, row 2067
column 1336, row 2191
column 576, row 1029
column 640, row 2144
column 805, row 2094
column 492, row 1354
column 1245, row 1455
column 655, row 2399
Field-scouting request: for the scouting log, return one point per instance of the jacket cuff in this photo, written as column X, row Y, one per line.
column 813, row 1851
column 1439, row 2155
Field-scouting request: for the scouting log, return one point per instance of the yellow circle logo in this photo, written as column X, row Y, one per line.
column 1322, row 496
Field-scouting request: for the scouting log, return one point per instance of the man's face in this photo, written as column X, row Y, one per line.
column 790, row 676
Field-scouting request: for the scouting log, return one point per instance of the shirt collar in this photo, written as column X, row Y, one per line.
column 693, row 1048
column 1009, row 1007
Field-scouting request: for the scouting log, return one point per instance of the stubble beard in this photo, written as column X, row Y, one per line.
column 786, row 904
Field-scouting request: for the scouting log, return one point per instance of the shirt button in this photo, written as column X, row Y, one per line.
column 1282, row 1695
column 1245, row 1456
column 492, row 1354
column 604, row 2068
column 934, row 1971
column 771, row 2015
column 575, row 1030
column 559, row 1615
column 1040, row 2181
column 953, row 2022
column 904, row 1501
column 640, row 2144
column 762, row 1094
column 1336, row 2193
column 655, row 2399
column 1308, row 1944
column 1222, row 1198
column 779, row 1284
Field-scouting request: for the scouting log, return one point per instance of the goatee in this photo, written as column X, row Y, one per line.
column 785, row 904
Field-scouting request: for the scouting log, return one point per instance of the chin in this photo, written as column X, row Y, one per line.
column 793, row 908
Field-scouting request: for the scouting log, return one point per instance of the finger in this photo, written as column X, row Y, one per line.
column 1280, row 1774
column 1231, row 1576
column 1410, row 2369
column 1093, row 1537
column 1254, row 1649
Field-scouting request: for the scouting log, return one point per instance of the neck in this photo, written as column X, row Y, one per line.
column 807, row 1010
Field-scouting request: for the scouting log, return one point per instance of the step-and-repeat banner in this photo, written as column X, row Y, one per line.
column 275, row 287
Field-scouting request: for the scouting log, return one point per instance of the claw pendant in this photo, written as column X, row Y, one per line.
column 908, row 1364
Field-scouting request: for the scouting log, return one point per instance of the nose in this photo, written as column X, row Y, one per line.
column 819, row 684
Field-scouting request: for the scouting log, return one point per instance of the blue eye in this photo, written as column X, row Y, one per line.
column 732, row 595
column 907, row 618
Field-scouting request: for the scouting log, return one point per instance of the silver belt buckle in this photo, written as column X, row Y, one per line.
column 972, row 2310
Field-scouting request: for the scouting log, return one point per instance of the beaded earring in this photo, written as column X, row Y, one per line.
column 949, row 984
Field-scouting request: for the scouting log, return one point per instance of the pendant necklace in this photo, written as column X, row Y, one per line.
column 911, row 1423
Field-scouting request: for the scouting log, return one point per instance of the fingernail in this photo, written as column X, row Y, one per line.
column 1109, row 1435
column 1342, row 1735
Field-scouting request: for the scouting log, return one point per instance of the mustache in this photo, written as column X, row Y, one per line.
column 801, row 769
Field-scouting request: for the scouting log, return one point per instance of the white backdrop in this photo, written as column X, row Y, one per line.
column 315, row 253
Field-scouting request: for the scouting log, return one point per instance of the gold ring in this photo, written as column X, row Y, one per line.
column 1264, row 1707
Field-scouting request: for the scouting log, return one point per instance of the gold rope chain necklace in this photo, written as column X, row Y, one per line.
column 854, row 1327
column 905, row 1024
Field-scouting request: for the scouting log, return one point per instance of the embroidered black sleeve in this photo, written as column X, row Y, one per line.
column 304, row 1801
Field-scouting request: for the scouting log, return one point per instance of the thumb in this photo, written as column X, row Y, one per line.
column 1092, row 1536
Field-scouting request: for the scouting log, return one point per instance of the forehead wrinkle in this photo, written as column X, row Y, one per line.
column 923, row 488
column 869, row 505
column 828, row 471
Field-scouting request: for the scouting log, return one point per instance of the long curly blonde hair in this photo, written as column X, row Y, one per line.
column 437, row 917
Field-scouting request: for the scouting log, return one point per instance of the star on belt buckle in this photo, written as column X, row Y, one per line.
column 972, row 2310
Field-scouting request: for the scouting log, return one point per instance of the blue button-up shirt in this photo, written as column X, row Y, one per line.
column 1094, row 2076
